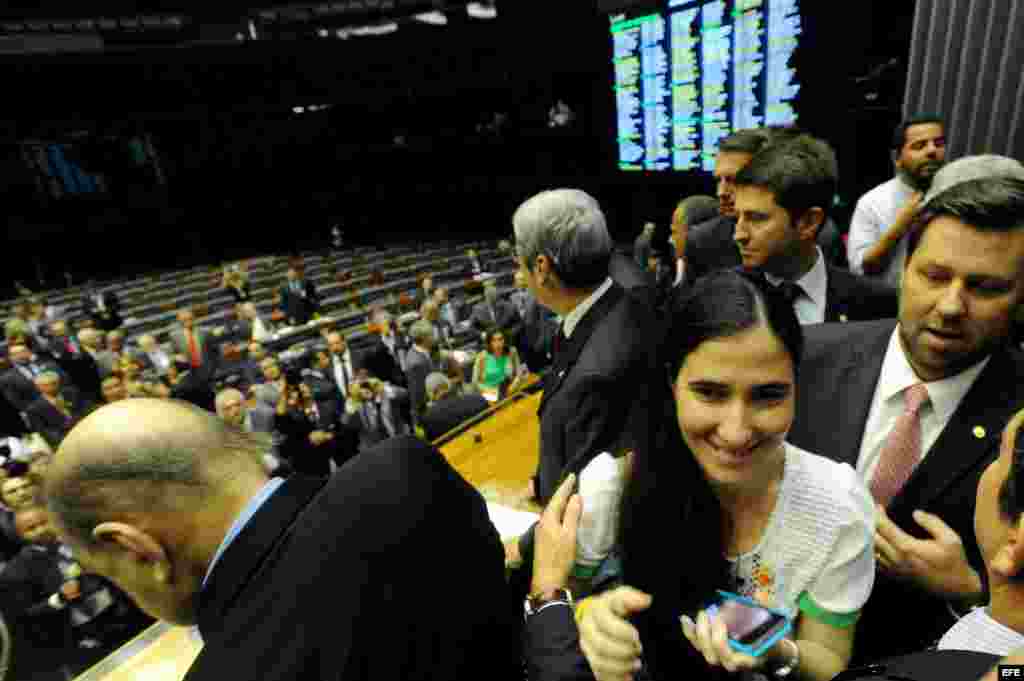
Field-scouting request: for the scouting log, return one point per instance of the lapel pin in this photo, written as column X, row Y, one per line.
column 979, row 432
column 843, row 318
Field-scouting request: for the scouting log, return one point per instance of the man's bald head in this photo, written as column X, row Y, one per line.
column 142, row 457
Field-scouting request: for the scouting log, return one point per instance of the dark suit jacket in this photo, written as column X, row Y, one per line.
column 595, row 387
column 504, row 317
column 49, row 422
column 539, row 330
column 19, row 391
column 631, row 276
column 296, row 428
column 378, row 360
column 80, row 368
column 710, row 247
column 841, row 367
column 391, row 411
column 417, row 367
column 297, row 308
column 112, row 319
column 327, row 561
column 852, row 298
column 450, row 413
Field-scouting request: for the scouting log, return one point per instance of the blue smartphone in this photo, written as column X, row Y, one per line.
column 752, row 628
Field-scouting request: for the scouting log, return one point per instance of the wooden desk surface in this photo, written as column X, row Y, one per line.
column 498, row 457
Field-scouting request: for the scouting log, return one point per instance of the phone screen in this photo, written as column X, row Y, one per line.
column 747, row 623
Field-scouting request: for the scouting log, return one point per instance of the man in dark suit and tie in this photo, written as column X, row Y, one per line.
column 77, row 364
column 57, row 410
column 103, row 308
column 563, row 248
column 385, row 356
column 18, row 383
column 299, row 299
column 782, row 198
column 193, row 345
column 917, row 406
column 373, row 410
column 492, row 312
column 175, row 507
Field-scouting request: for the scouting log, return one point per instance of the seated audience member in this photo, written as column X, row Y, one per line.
column 308, row 427
column 444, row 334
column 447, row 409
column 883, row 218
column 103, row 308
column 191, row 344
column 57, row 410
column 236, row 283
column 231, row 407
column 136, row 382
column 339, row 548
column 492, row 312
column 260, row 328
column 17, row 384
column 373, row 409
column 924, row 400
column 998, row 628
column 422, row 359
column 496, row 370
column 299, row 298
column 782, row 198
column 112, row 389
column 765, row 519
column 154, row 357
column 447, row 309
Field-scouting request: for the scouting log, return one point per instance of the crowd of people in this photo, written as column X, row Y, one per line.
column 313, row 409
column 838, row 446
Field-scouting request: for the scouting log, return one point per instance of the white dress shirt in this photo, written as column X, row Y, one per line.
column 573, row 318
column 160, row 359
column 875, row 213
column 887, row 404
column 259, row 330
column 810, row 304
column 680, row 271
column 978, row 632
column 339, row 375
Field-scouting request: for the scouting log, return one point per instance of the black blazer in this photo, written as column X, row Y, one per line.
column 328, row 562
column 710, row 246
column 849, row 297
column 80, row 367
column 625, row 271
column 841, row 367
column 595, row 387
column 450, row 413
column 46, row 420
column 299, row 309
column 19, row 391
column 378, row 360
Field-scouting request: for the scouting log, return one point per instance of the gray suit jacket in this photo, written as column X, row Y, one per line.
column 391, row 423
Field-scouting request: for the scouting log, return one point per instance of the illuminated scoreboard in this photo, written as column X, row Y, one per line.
column 690, row 75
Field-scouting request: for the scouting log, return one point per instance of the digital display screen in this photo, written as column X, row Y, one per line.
column 692, row 73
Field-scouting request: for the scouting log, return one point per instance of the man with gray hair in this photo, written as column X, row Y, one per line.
column 601, row 364
column 232, row 408
column 448, row 410
column 420, row 361
column 175, row 507
column 973, row 168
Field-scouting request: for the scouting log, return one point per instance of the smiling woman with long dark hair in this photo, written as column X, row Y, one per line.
column 746, row 511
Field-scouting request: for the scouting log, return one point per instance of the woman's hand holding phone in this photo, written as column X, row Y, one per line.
column 710, row 637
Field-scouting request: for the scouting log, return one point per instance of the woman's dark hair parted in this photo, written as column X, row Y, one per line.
column 667, row 482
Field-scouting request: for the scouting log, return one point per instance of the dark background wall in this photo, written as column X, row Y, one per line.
column 241, row 173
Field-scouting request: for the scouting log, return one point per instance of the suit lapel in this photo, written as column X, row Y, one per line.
column 568, row 355
column 971, row 436
column 835, row 295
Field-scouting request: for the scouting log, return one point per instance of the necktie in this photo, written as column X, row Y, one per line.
column 560, row 340
column 902, row 450
column 69, row 346
column 789, row 290
column 193, row 350
column 341, row 368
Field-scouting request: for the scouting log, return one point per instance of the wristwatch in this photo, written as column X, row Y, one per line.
column 538, row 601
column 794, row 661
